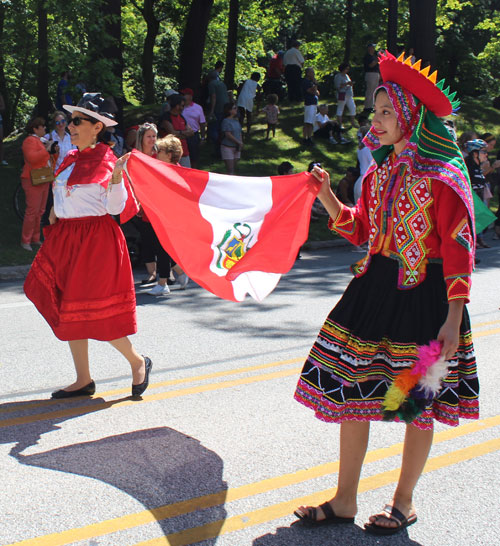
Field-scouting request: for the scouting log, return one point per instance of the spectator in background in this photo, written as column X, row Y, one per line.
column 60, row 135
column 246, row 98
column 293, row 62
column 165, row 107
column 311, row 93
column 232, row 142
column 169, row 151
column 273, row 83
column 345, row 189
column 219, row 66
column 37, row 153
column 324, row 127
column 365, row 159
column 271, row 111
column 463, row 139
column 372, row 75
column 175, row 124
column 478, row 154
column 63, row 95
column 285, row 168
column 276, row 67
column 115, row 141
column 2, row 109
column 345, row 94
column 489, row 169
column 218, row 98
column 195, row 118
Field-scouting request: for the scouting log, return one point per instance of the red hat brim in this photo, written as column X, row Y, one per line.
column 426, row 91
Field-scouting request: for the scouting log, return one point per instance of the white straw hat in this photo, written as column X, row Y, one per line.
column 92, row 104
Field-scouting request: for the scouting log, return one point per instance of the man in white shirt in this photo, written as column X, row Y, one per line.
column 293, row 61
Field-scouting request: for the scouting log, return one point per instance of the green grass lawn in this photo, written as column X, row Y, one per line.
column 259, row 158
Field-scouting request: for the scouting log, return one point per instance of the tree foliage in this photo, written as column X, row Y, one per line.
column 78, row 37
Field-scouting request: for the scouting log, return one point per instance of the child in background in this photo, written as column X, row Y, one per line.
column 232, row 143
column 272, row 111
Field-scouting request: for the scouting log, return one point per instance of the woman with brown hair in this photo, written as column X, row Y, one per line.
column 37, row 153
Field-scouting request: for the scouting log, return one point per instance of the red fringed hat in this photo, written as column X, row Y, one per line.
column 418, row 82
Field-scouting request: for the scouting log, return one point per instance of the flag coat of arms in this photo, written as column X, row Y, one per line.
column 233, row 235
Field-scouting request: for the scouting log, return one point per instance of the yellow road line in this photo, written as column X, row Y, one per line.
column 263, row 515
column 269, row 513
column 203, row 377
column 486, row 333
column 90, row 408
column 215, row 499
column 169, row 383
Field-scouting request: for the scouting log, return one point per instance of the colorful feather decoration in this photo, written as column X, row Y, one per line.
column 415, row 388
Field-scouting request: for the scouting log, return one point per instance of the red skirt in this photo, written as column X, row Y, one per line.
column 81, row 280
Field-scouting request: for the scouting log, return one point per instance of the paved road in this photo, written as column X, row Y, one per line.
column 217, row 452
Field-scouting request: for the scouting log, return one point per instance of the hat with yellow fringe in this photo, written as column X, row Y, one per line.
column 436, row 98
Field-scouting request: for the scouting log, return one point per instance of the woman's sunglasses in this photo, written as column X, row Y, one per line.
column 61, row 122
column 78, row 121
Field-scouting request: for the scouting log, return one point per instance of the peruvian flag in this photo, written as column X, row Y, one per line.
column 232, row 235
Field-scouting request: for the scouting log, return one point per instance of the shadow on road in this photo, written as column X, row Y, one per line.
column 347, row 535
column 160, row 467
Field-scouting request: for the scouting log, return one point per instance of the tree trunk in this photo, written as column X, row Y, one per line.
column 3, row 84
column 423, row 29
column 392, row 27
column 193, row 44
column 113, row 49
column 43, row 64
column 232, row 42
column 348, row 30
column 153, row 26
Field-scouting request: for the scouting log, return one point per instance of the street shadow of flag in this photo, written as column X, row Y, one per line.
column 177, row 479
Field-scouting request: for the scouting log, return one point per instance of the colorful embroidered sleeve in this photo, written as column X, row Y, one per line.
column 352, row 223
column 456, row 241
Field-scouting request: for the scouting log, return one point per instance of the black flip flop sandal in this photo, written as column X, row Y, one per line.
column 310, row 519
column 393, row 514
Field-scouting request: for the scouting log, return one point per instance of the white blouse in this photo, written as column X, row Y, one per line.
column 64, row 146
column 86, row 199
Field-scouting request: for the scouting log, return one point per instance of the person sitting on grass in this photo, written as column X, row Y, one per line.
column 324, row 127
column 272, row 112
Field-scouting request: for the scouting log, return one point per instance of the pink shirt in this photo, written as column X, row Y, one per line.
column 194, row 116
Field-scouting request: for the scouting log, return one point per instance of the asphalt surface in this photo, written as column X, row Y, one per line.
column 217, row 452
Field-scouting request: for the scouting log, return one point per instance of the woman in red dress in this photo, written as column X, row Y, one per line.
column 81, row 280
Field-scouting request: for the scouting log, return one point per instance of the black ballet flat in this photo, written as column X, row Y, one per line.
column 88, row 390
column 137, row 390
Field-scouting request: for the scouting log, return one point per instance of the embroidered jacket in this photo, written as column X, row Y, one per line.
column 415, row 221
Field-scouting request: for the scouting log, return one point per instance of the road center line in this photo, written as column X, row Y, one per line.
column 263, row 515
column 90, row 408
column 244, row 491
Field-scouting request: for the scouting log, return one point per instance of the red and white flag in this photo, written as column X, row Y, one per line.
column 233, row 235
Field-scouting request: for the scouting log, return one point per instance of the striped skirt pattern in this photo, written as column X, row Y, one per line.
column 371, row 336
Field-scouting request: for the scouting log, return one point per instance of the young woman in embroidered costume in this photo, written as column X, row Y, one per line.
column 416, row 214
column 81, row 279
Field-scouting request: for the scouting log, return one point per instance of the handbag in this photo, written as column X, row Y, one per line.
column 42, row 175
column 341, row 95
